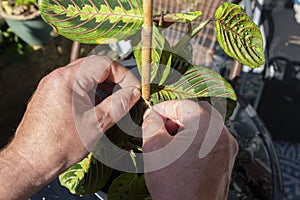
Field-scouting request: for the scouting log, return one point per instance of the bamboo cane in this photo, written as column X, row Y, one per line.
column 146, row 48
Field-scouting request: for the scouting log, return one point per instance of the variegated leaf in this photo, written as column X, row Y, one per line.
column 128, row 187
column 91, row 21
column 85, row 177
column 238, row 35
column 197, row 83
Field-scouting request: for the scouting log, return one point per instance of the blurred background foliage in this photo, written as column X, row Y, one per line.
column 11, row 45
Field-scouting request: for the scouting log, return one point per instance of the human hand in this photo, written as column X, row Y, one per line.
column 61, row 122
column 186, row 168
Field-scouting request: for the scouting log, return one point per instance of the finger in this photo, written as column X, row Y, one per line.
column 185, row 113
column 160, row 149
column 155, row 134
column 210, row 109
column 114, row 107
column 214, row 130
column 201, row 118
column 75, row 62
column 94, row 70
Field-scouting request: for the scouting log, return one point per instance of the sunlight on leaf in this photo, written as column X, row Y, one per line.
column 197, row 83
column 86, row 177
column 238, row 35
column 93, row 22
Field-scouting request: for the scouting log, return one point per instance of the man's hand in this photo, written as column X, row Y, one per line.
column 61, row 123
column 173, row 133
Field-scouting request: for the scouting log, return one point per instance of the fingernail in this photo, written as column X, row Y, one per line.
column 146, row 114
column 136, row 92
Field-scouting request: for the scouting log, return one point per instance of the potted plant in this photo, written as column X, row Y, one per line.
column 24, row 18
column 165, row 71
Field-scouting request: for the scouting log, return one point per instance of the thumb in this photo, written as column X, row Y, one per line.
column 116, row 106
column 155, row 134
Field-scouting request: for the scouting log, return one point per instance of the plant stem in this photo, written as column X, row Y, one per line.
column 75, row 51
column 146, row 49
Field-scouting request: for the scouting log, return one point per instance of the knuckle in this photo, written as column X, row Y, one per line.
column 106, row 58
column 105, row 119
column 100, row 59
column 55, row 79
column 60, row 79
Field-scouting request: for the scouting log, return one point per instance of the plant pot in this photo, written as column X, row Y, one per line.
column 101, row 195
column 31, row 29
column 256, row 173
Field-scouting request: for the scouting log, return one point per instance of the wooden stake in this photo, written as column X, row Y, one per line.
column 146, row 49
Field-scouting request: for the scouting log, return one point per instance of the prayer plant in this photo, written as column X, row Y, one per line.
column 105, row 21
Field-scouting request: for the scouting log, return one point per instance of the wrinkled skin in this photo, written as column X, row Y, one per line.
column 61, row 124
column 188, row 177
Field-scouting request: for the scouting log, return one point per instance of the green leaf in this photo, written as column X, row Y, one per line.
column 93, row 21
column 197, row 83
column 183, row 17
column 238, row 35
column 86, row 177
column 181, row 59
column 160, row 65
column 127, row 187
